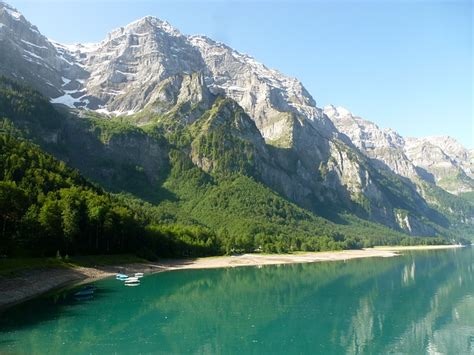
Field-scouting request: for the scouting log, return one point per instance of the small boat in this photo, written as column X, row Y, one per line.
column 132, row 281
column 139, row 274
column 121, row 277
column 84, row 292
column 133, row 284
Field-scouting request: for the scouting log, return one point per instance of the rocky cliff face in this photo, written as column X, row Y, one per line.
column 265, row 94
column 446, row 162
column 384, row 146
column 463, row 157
column 126, row 69
column 26, row 55
column 149, row 68
column 122, row 73
column 438, row 160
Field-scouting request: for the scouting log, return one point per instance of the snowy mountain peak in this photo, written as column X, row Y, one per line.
column 130, row 69
column 146, row 25
column 214, row 49
column 264, row 93
column 336, row 111
column 364, row 134
column 123, row 72
column 11, row 11
column 11, row 17
column 76, row 47
column 342, row 117
column 29, row 56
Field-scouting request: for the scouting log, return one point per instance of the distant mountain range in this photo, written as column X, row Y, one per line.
column 438, row 160
column 231, row 117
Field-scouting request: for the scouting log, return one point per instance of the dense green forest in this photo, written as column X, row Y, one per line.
column 47, row 206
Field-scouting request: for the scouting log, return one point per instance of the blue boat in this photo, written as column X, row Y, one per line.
column 85, row 291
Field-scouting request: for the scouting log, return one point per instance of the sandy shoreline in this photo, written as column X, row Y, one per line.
column 33, row 283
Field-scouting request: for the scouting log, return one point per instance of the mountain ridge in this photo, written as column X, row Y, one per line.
column 434, row 159
column 150, row 75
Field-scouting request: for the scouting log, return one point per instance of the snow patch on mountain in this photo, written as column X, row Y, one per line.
column 13, row 13
column 67, row 100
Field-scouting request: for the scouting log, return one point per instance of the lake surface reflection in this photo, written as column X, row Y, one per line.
column 422, row 302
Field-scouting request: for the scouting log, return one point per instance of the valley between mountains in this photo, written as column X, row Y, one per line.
column 163, row 144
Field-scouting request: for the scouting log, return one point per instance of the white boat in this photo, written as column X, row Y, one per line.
column 132, row 284
column 139, row 274
column 132, row 278
column 132, row 281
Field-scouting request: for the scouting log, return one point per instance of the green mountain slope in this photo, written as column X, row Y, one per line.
column 46, row 207
column 193, row 189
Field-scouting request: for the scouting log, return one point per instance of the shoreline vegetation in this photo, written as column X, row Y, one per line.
column 19, row 284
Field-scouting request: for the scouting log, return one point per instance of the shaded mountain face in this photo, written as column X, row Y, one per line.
column 438, row 160
column 148, row 72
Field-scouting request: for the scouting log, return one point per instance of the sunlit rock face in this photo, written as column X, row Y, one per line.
column 440, row 160
column 450, row 164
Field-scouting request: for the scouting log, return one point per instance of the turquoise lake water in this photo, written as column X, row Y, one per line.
column 422, row 302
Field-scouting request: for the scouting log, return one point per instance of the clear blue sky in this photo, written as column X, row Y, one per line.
column 407, row 65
